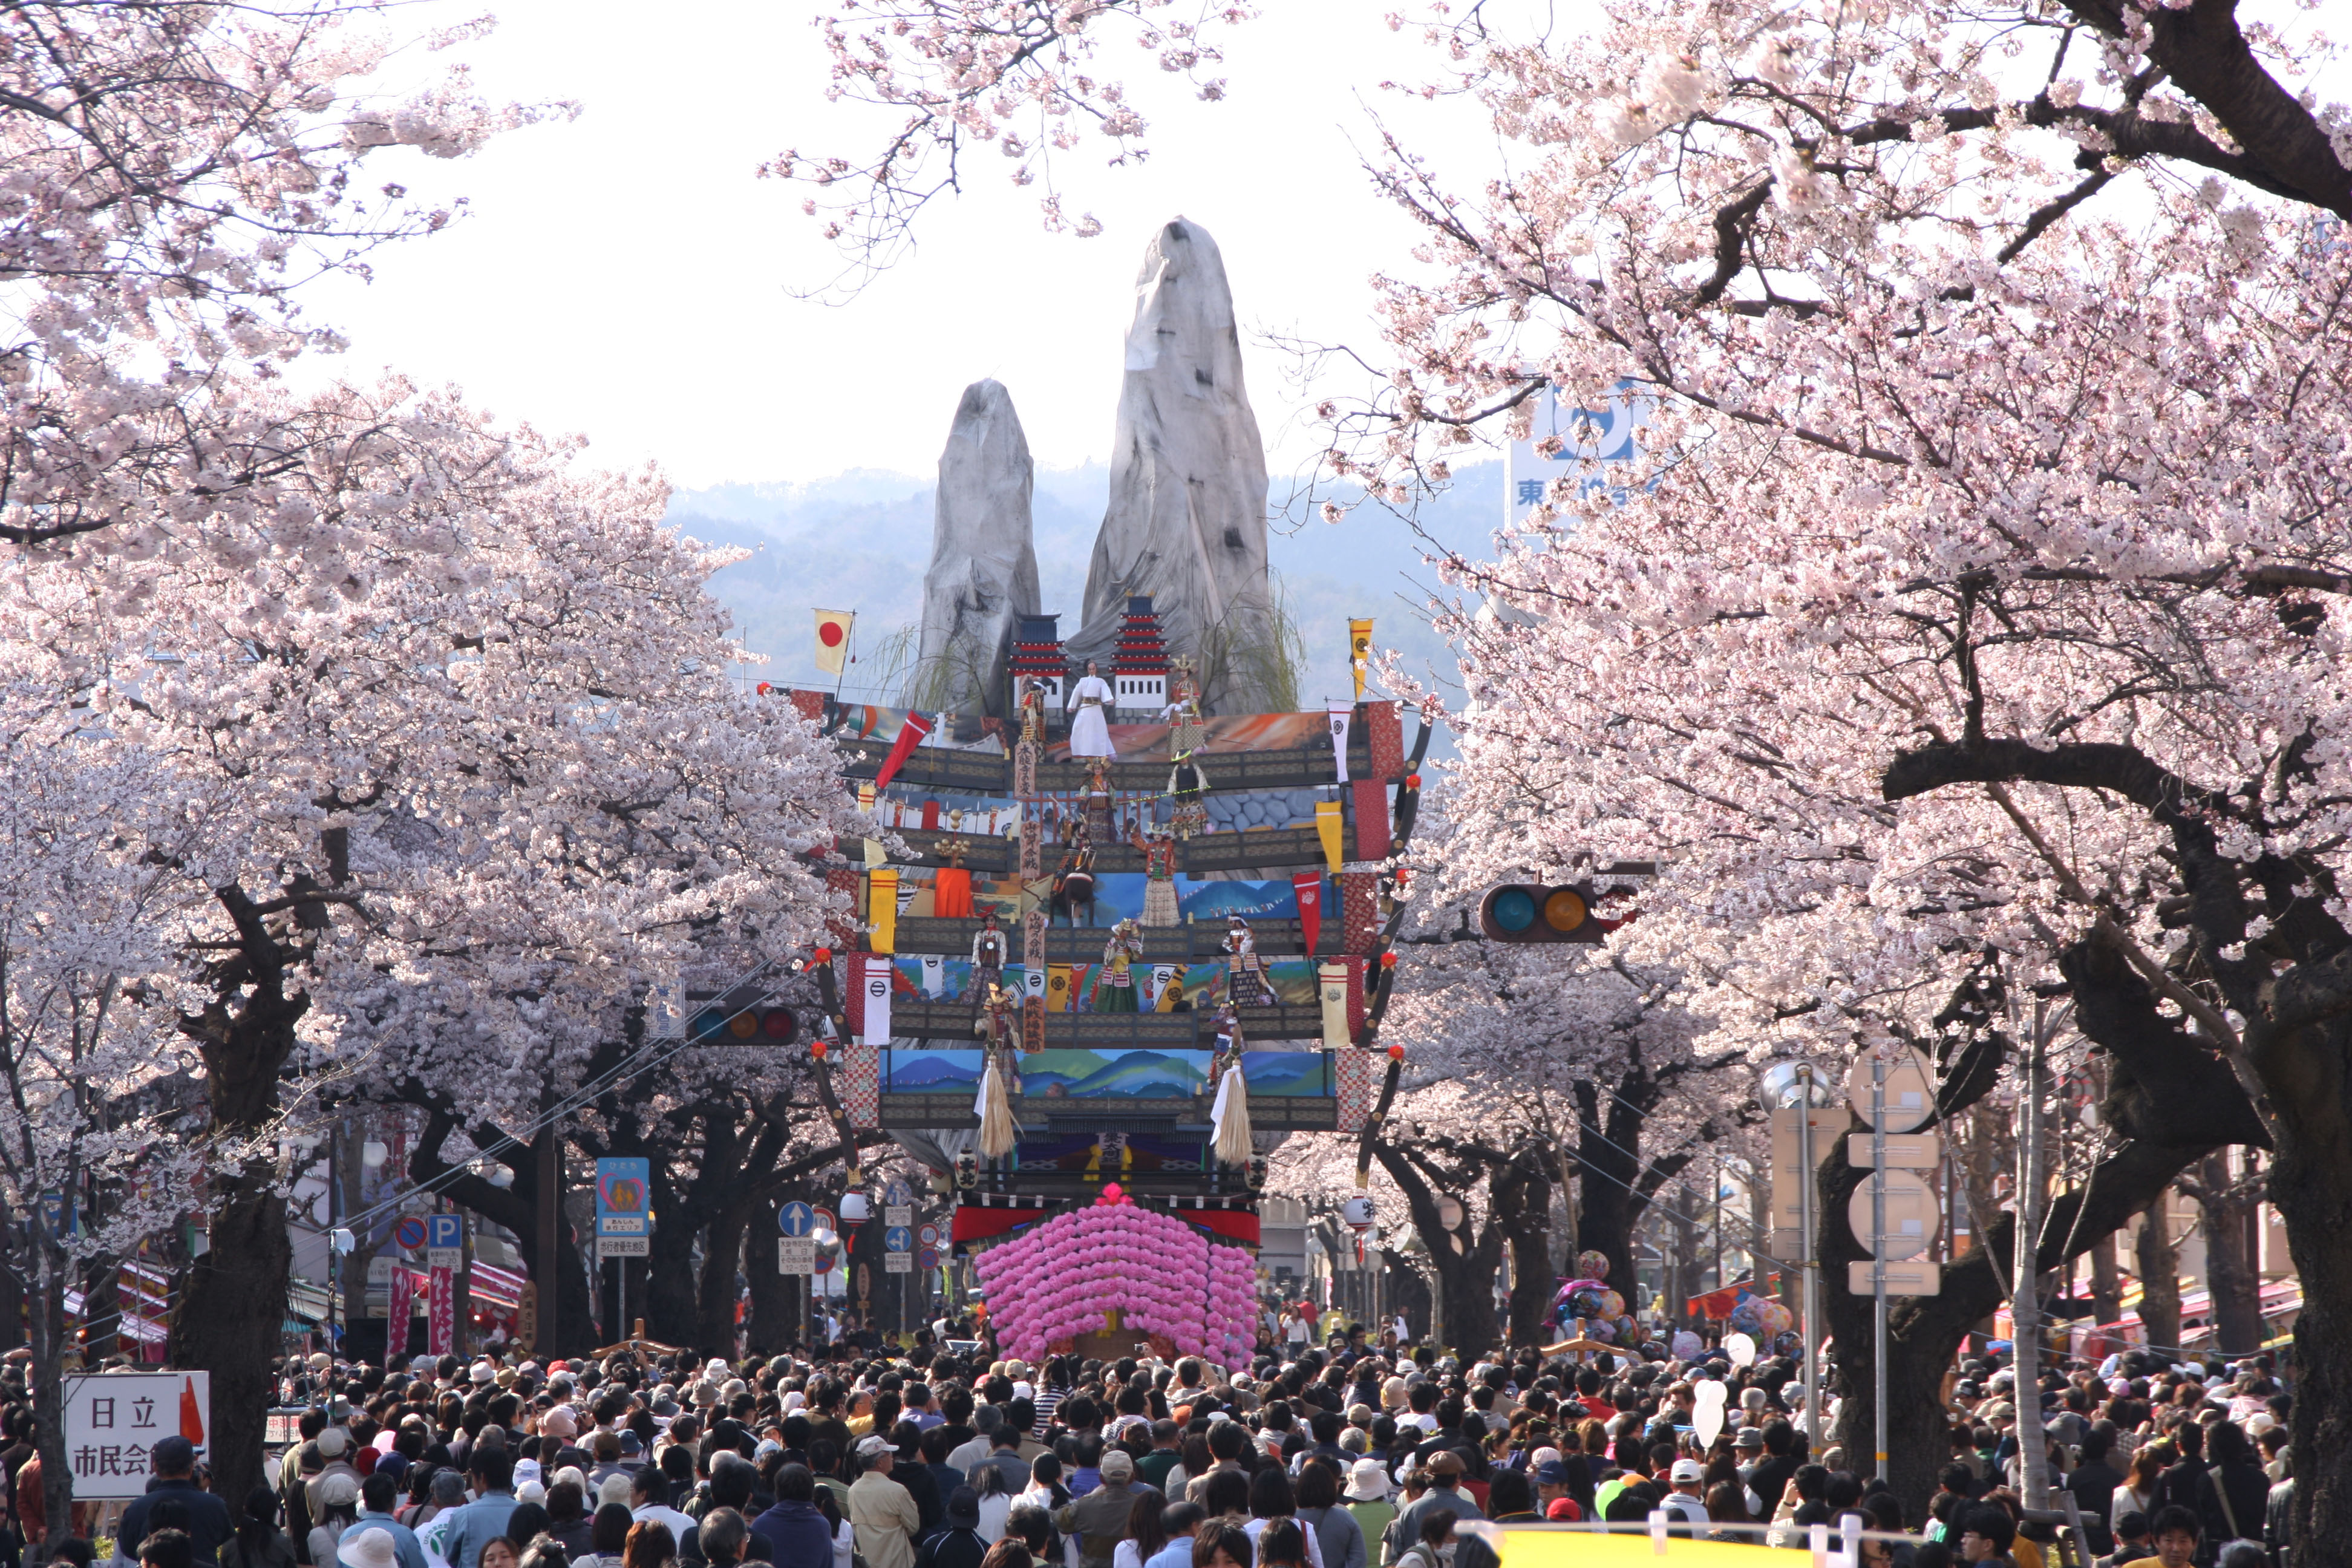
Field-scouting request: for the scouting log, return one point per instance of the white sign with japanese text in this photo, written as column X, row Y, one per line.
column 114, row 1420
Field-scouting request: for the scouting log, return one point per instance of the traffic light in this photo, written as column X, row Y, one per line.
column 1528, row 912
column 764, row 1024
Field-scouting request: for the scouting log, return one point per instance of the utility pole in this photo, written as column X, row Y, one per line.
column 2025, row 1284
column 550, row 1230
column 1811, row 1258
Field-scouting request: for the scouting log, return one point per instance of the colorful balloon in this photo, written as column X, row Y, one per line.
column 1591, row 1264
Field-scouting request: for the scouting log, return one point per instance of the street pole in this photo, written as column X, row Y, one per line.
column 1812, row 1265
column 1878, row 1248
column 551, row 1178
column 2025, row 1282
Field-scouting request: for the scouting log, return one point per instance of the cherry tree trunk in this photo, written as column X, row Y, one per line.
column 2311, row 1185
column 230, row 1321
column 2158, row 1263
column 2229, row 1268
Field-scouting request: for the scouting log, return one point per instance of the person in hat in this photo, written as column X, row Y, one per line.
column 370, row 1547
column 1099, row 1520
column 1445, row 1470
column 881, row 1511
column 957, row 1543
column 1687, row 1501
column 336, row 1508
column 1367, row 1498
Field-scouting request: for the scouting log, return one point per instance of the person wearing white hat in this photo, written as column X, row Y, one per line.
column 1367, row 1498
column 1688, row 1479
column 370, row 1548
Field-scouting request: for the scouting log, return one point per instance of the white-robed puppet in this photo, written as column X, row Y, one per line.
column 1089, row 705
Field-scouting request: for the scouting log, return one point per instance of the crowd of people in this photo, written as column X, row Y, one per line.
column 1333, row 1456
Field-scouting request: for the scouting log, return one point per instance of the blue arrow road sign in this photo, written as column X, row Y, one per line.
column 796, row 1218
column 899, row 1238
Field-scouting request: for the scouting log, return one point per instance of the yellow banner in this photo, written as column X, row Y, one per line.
column 882, row 909
column 1329, row 829
column 874, row 857
column 1560, row 1546
column 1057, row 987
column 1359, row 650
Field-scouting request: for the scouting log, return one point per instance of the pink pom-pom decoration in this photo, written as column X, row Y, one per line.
column 1066, row 1278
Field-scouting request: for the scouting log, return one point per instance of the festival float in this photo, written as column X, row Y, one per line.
column 1120, row 927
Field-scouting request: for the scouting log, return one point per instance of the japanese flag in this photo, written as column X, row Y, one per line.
column 833, row 639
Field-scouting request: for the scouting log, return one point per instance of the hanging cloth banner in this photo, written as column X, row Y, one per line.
column 1057, row 987
column 833, row 639
column 865, row 801
column 882, row 908
column 935, row 975
column 1308, row 886
column 1372, row 837
column 441, row 1311
column 1332, row 977
column 910, row 735
column 1329, row 828
column 1230, row 1119
column 1341, row 713
column 1360, row 653
column 874, row 983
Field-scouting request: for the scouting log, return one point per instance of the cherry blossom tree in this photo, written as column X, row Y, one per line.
column 1965, row 632
column 176, row 171
column 92, row 1116
column 468, row 707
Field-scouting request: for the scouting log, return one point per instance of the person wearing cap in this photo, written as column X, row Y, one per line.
column 958, row 1542
column 1099, row 1520
column 882, row 1511
column 1687, row 1501
column 1444, row 1491
column 174, row 1462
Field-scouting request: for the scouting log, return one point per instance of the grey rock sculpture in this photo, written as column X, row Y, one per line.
column 983, row 571
column 1186, row 522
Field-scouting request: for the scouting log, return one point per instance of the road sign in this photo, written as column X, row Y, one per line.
column 927, row 1259
column 1905, row 1152
column 409, row 1233
column 115, row 1421
column 796, row 1218
column 897, row 1238
column 795, row 1255
column 1910, row 1090
column 927, row 1236
column 624, row 1246
column 624, row 1200
column 896, row 1263
column 1911, row 1219
column 827, row 1219
column 1921, row 1277
column 897, row 1216
column 1789, row 1171
column 445, row 1240
column 897, row 1193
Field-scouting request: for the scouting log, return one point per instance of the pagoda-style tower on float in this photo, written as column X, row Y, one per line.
column 1139, row 666
column 1037, row 651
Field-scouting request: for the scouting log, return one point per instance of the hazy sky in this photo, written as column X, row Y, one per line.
column 625, row 277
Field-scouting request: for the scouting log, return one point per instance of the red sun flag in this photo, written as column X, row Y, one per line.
column 833, row 639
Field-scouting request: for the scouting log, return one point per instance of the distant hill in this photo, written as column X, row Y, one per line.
column 860, row 541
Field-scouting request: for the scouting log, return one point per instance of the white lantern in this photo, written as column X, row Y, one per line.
column 1358, row 1212
column 854, row 1208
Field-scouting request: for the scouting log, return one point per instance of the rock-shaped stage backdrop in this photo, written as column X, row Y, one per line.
column 983, row 573
column 1186, row 523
